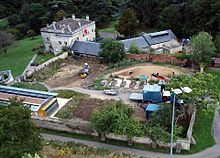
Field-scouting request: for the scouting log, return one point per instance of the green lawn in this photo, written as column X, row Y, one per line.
column 43, row 58
column 19, row 55
column 202, row 131
column 109, row 27
column 216, row 73
column 3, row 23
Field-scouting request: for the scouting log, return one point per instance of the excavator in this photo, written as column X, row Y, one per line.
column 85, row 71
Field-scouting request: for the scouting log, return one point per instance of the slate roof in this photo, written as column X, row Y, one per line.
column 86, row 47
column 159, row 37
column 140, row 42
column 146, row 40
column 68, row 25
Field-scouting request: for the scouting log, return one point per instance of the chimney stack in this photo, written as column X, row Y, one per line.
column 79, row 23
column 73, row 16
column 87, row 17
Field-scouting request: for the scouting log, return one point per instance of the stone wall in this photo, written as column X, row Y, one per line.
column 40, row 67
column 79, row 126
column 163, row 58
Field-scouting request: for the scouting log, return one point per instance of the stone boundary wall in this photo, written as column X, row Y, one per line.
column 163, row 58
column 79, row 126
column 40, row 67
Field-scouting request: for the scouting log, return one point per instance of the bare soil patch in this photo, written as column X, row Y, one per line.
column 68, row 75
column 136, row 71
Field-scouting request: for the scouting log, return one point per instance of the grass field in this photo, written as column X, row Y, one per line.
column 43, row 58
column 109, row 27
column 19, row 55
column 216, row 73
column 202, row 131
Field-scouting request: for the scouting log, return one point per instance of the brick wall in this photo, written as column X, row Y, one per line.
column 162, row 58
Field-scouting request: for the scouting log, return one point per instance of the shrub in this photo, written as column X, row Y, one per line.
column 35, row 86
column 69, row 93
column 14, row 19
column 117, row 118
column 134, row 49
column 48, row 71
column 15, row 32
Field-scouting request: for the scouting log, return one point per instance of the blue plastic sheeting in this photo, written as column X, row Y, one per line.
column 152, row 107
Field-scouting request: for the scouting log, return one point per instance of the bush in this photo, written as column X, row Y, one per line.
column 69, row 93
column 35, row 86
column 117, row 118
column 134, row 49
column 48, row 71
column 14, row 19
column 112, row 51
column 15, row 32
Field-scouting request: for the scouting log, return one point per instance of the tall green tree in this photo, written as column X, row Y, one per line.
column 6, row 39
column 18, row 135
column 202, row 49
column 217, row 43
column 170, row 18
column 99, row 10
column 117, row 118
column 147, row 11
column 127, row 23
column 112, row 51
column 59, row 15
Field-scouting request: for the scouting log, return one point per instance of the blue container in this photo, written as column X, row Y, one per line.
column 152, row 93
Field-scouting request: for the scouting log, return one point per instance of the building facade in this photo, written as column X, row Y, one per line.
column 65, row 32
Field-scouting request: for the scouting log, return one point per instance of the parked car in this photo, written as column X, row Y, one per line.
column 110, row 91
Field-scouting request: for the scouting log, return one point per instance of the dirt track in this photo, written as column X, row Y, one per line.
column 147, row 70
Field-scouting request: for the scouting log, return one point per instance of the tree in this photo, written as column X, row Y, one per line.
column 202, row 48
column 134, row 49
column 217, row 43
column 13, row 19
column 117, row 118
column 59, row 15
column 31, row 33
column 99, row 10
column 147, row 11
column 170, row 18
column 6, row 39
column 128, row 23
column 112, row 51
column 18, row 135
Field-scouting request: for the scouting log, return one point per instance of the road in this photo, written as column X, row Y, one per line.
column 212, row 152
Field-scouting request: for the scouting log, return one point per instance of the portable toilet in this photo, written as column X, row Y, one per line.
column 150, row 108
column 152, row 93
